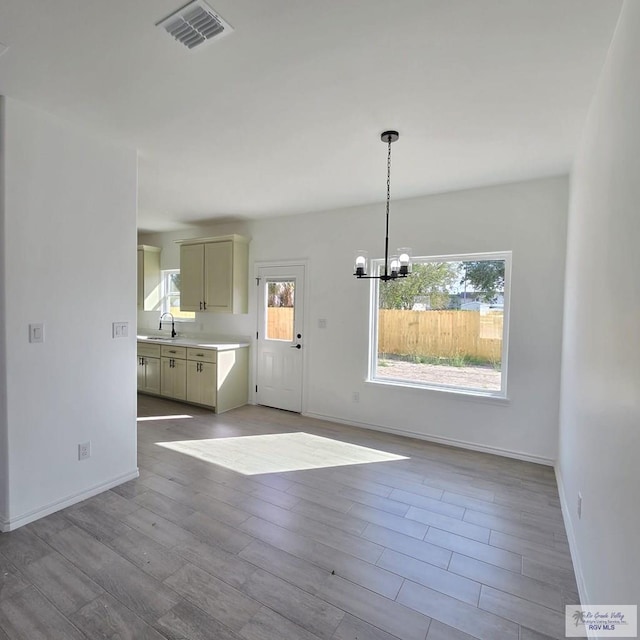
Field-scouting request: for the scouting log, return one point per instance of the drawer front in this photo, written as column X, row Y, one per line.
column 171, row 351
column 150, row 350
column 203, row 355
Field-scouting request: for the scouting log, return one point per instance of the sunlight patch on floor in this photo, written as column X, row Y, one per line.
column 181, row 416
column 279, row 452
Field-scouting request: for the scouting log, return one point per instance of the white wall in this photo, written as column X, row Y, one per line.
column 69, row 253
column 600, row 410
column 4, row 435
column 528, row 218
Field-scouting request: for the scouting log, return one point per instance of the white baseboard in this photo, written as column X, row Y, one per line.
column 452, row 442
column 573, row 547
column 14, row 523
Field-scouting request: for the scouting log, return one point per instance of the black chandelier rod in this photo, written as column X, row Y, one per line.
column 389, row 136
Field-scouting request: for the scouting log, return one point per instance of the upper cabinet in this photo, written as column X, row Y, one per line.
column 149, row 289
column 214, row 274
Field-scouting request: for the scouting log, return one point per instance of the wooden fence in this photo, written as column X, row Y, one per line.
column 280, row 323
column 436, row 334
column 441, row 334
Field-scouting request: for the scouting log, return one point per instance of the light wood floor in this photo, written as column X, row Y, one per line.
column 440, row 543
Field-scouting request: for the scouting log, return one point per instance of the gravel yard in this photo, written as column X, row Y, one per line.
column 472, row 376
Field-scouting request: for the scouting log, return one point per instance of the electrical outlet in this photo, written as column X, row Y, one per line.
column 322, row 323
column 579, row 505
column 355, row 396
column 84, row 450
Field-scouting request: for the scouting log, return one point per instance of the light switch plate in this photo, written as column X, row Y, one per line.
column 36, row 332
column 120, row 329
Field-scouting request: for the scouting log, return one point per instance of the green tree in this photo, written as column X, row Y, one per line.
column 281, row 294
column 486, row 277
column 431, row 279
column 176, row 281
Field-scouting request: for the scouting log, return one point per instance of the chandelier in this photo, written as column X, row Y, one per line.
column 396, row 266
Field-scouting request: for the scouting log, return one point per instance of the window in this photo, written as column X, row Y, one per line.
column 171, row 296
column 445, row 326
column 280, row 310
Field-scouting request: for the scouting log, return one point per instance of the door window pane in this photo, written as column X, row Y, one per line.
column 280, row 310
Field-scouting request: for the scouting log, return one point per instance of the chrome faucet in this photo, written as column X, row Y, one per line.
column 173, row 324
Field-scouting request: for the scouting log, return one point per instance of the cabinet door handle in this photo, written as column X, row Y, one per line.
column 205, row 306
column 200, row 355
column 172, row 351
column 200, row 305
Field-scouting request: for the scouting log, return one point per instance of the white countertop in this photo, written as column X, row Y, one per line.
column 203, row 343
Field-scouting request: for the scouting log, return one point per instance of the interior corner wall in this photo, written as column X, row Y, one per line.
column 599, row 446
column 69, row 257
column 4, row 459
column 527, row 218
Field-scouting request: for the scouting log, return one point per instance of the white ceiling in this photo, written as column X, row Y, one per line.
column 284, row 115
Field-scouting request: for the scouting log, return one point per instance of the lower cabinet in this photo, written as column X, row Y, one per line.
column 149, row 368
column 201, row 383
column 201, row 376
column 173, row 378
column 216, row 379
column 149, row 374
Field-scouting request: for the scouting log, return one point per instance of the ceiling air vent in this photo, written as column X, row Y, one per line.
column 195, row 24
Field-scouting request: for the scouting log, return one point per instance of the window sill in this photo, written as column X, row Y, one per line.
column 461, row 394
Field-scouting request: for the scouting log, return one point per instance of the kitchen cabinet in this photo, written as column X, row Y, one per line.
column 173, row 372
column 214, row 274
column 201, row 382
column 217, row 378
column 149, row 278
column 148, row 368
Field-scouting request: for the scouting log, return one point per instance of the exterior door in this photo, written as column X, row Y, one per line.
column 280, row 349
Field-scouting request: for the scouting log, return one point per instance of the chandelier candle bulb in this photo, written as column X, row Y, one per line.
column 394, row 266
column 360, row 268
column 405, row 260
